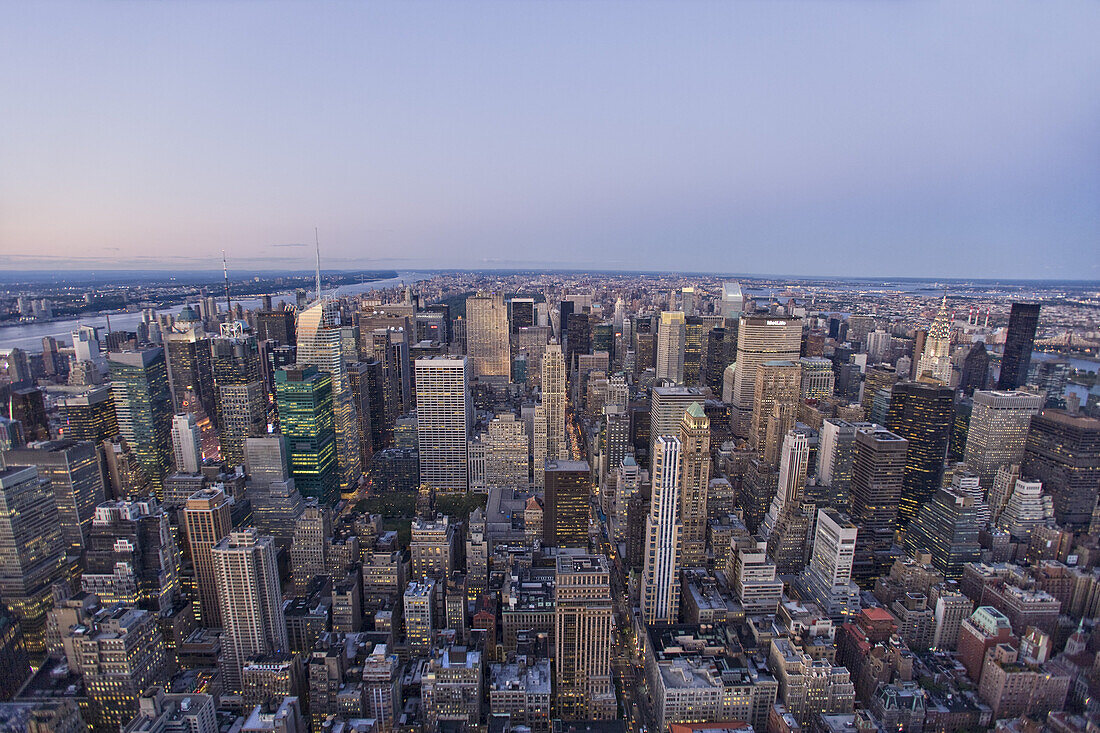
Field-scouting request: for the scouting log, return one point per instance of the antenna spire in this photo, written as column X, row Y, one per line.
column 228, row 302
column 317, row 238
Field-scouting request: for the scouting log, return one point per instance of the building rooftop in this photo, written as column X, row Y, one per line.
column 533, row 677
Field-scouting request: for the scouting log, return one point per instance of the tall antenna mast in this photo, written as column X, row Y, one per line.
column 225, row 271
column 317, row 238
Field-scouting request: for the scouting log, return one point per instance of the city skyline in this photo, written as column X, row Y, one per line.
column 936, row 141
column 400, row 367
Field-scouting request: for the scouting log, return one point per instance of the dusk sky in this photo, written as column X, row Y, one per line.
column 867, row 138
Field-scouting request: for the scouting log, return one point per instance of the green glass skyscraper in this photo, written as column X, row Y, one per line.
column 304, row 398
column 143, row 406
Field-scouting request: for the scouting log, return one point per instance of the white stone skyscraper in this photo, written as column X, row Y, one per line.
column 792, row 478
column 487, row 336
column 553, row 405
column 186, row 444
column 443, row 419
column 661, row 567
column 998, row 429
column 671, row 341
column 253, row 623
column 828, row 579
column 319, row 345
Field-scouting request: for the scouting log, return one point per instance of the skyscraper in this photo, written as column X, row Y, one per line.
column 276, row 502
column 666, row 409
column 792, row 479
column 89, row 415
column 243, row 409
column 308, row 551
column 367, row 390
column 143, row 406
column 507, row 460
column 251, row 603
column 935, row 359
column 132, row 557
column 828, row 579
column 997, row 434
column 661, row 567
column 614, row 444
column 817, row 378
column 582, row 637
column 1023, row 320
column 922, row 413
column 670, row 346
column 121, row 654
column 32, row 552
column 694, row 481
column 566, row 510
column 304, row 397
column 522, row 314
column 1063, row 451
column 186, row 443
column 319, row 345
column 878, row 475
column 975, row 369
column 760, row 338
column 733, row 301
column 206, row 516
column 775, row 399
column 553, row 402
column 947, row 527
column 443, row 418
column 487, row 336
column 834, row 456
column 76, row 481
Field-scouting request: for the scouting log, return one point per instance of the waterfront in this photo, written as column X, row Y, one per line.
column 28, row 336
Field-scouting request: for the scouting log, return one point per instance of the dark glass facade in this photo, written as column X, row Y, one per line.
column 923, row 414
column 1023, row 320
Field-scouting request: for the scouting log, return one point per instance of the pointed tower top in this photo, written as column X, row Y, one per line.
column 317, row 238
column 225, row 271
column 941, row 325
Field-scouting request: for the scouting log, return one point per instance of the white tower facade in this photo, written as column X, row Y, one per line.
column 660, row 581
column 443, row 419
column 186, row 444
column 671, row 340
column 553, row 402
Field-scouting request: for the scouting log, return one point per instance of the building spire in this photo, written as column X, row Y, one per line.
column 317, row 238
column 228, row 302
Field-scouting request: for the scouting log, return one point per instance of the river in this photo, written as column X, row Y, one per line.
column 28, row 336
